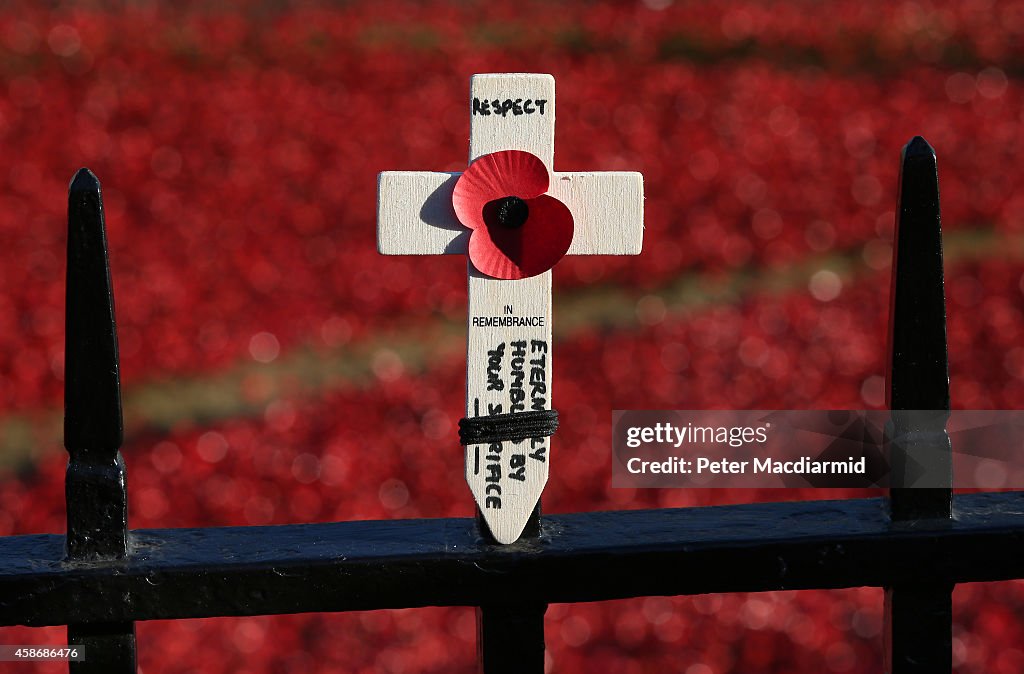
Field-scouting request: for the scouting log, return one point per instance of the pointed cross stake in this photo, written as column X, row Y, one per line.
column 415, row 217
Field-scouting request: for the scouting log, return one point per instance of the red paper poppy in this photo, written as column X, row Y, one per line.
column 518, row 230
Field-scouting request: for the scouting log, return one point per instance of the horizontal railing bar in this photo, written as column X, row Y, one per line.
column 345, row 566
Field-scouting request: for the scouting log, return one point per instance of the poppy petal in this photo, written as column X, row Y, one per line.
column 507, row 173
column 525, row 251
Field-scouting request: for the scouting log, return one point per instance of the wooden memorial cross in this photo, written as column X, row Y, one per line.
column 508, row 362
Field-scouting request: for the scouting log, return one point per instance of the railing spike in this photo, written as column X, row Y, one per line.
column 95, row 486
column 92, row 389
column 918, row 371
column 918, row 615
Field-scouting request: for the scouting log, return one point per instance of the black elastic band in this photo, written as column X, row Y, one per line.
column 513, row 426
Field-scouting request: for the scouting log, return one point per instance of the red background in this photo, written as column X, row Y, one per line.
column 276, row 369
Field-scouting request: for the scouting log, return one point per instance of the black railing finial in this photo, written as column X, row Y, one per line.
column 917, row 387
column 918, row 369
column 918, row 615
column 95, row 486
column 93, row 429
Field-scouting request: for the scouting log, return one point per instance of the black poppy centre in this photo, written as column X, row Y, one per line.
column 505, row 219
column 508, row 212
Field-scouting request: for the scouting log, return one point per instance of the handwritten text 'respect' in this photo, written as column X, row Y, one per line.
column 517, row 106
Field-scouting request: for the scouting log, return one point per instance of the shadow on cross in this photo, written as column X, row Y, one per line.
column 437, row 211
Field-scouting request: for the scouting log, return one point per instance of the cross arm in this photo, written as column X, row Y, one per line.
column 415, row 215
column 607, row 210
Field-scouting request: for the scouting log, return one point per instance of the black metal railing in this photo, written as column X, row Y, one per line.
column 916, row 544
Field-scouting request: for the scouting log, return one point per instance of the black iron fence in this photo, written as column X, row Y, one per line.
column 102, row 577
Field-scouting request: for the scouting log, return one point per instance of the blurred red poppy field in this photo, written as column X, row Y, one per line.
column 276, row 369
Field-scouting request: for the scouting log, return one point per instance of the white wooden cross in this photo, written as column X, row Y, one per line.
column 415, row 217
